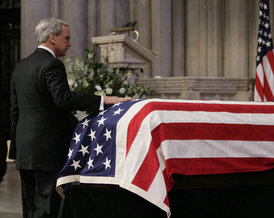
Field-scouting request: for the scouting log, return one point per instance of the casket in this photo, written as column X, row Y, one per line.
column 140, row 145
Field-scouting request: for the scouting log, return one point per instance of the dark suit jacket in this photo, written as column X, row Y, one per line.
column 41, row 122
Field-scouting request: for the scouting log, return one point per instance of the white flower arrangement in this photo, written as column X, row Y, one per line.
column 98, row 78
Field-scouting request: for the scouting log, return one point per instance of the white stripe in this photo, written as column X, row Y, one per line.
column 216, row 149
column 256, row 95
column 269, row 73
column 140, row 145
column 260, row 76
column 121, row 136
column 260, row 73
column 158, row 186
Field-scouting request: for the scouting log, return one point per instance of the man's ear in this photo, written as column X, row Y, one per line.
column 52, row 38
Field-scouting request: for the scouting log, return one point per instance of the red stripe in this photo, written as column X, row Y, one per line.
column 148, row 169
column 202, row 166
column 270, row 58
column 212, row 131
column 137, row 120
column 202, row 131
column 259, row 87
column 267, row 90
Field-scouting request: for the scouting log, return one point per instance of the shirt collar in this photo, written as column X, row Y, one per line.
column 48, row 49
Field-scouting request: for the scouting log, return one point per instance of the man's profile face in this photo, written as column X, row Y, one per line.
column 62, row 42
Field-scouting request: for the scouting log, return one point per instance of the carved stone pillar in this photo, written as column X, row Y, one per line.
column 178, row 37
column 56, row 9
column 140, row 11
column 77, row 16
column 236, row 39
column 196, row 38
column 113, row 14
column 32, row 11
column 93, row 21
column 215, row 21
column 161, row 36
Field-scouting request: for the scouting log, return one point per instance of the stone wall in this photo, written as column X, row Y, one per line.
column 193, row 38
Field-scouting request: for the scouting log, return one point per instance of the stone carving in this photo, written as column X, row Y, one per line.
column 123, row 51
column 201, row 88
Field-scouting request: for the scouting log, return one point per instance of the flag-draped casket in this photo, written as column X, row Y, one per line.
column 140, row 144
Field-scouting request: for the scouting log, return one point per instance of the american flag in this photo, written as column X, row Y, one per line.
column 264, row 79
column 140, row 144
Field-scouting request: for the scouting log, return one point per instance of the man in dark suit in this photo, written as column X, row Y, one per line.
column 41, row 122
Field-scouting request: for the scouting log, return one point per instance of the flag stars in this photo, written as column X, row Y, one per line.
column 90, row 163
column 117, row 111
column 117, row 104
column 92, row 135
column 107, row 134
column 102, row 113
column 77, row 138
column 76, row 164
column 268, row 44
column 70, row 153
column 259, row 49
column 107, row 163
column 84, row 150
column 101, row 121
column 85, row 123
column 98, row 149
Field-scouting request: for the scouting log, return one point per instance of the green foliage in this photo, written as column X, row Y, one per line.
column 98, row 78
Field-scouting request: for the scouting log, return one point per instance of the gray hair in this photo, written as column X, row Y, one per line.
column 47, row 26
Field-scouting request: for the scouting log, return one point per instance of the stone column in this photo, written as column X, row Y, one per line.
column 113, row 14
column 178, row 38
column 77, row 15
column 93, row 21
column 56, row 9
column 215, row 11
column 140, row 11
column 122, row 10
column 196, row 38
column 161, row 36
column 236, row 39
column 32, row 11
column 107, row 21
column 253, row 29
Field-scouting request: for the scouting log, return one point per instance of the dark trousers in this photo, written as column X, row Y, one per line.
column 39, row 196
column 3, row 156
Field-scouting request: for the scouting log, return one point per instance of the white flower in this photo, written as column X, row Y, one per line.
column 109, row 91
column 122, row 90
column 85, row 83
column 99, row 88
column 68, row 65
column 79, row 64
column 71, row 82
column 125, row 82
column 91, row 74
column 90, row 55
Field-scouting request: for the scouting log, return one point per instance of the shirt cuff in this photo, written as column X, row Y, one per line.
column 101, row 108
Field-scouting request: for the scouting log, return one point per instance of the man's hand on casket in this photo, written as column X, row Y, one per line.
column 114, row 99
